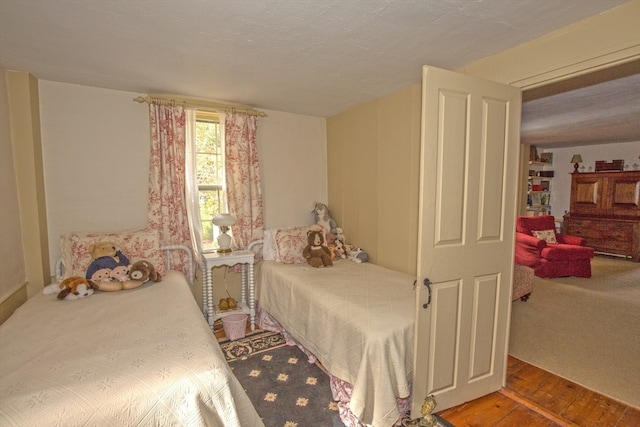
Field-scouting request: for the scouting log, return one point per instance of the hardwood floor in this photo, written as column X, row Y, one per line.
column 534, row 397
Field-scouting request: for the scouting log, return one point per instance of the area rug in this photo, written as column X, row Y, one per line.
column 585, row 330
column 285, row 389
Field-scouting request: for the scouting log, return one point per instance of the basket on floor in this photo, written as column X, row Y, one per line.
column 235, row 326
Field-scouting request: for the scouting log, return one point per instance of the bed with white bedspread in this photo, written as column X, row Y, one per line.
column 143, row 357
column 357, row 319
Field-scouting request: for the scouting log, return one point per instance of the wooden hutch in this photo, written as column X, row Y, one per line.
column 605, row 210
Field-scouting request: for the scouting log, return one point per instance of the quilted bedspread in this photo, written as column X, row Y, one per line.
column 357, row 319
column 142, row 357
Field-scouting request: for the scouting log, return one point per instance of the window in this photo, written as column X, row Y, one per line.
column 209, row 174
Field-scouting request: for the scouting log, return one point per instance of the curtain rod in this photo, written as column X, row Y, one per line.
column 200, row 104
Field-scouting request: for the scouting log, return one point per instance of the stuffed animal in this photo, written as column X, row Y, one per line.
column 316, row 253
column 108, row 249
column 340, row 249
column 323, row 218
column 110, row 268
column 75, row 287
column 143, row 271
column 357, row 255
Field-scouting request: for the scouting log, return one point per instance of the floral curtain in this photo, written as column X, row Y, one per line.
column 167, row 198
column 244, row 189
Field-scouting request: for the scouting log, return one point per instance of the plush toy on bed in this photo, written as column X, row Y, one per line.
column 143, row 271
column 109, row 268
column 74, row 287
column 316, row 253
column 340, row 249
column 323, row 218
column 357, row 255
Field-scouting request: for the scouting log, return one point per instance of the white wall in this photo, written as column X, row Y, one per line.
column 293, row 156
column 96, row 155
column 95, row 146
column 561, row 186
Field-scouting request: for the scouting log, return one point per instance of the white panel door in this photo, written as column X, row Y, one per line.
column 469, row 164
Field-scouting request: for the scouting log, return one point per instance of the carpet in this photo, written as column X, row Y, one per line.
column 585, row 330
column 285, row 389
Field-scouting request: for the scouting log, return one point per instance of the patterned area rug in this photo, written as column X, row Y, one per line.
column 285, row 389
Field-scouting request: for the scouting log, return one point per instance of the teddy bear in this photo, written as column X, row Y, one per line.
column 108, row 249
column 143, row 271
column 74, row 287
column 316, row 253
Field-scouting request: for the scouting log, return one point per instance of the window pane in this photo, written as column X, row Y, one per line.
column 208, row 154
column 209, row 172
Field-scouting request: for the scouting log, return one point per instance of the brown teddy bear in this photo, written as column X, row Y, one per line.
column 316, row 253
column 143, row 271
column 101, row 249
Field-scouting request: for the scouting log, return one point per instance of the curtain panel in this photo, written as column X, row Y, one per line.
column 242, row 170
column 167, row 182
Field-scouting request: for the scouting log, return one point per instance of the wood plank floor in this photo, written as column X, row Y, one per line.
column 534, row 397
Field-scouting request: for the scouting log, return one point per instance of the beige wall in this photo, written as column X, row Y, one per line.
column 12, row 263
column 373, row 169
column 355, row 137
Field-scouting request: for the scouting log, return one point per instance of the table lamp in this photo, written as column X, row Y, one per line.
column 576, row 160
column 224, row 221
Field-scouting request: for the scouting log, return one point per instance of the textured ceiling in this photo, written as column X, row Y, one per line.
column 302, row 56
column 601, row 107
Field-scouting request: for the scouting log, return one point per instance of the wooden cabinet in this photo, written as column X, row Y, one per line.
column 605, row 210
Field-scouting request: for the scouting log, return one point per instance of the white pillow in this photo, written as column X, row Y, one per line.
column 547, row 235
column 269, row 245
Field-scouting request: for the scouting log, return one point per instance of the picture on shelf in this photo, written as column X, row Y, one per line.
column 546, row 158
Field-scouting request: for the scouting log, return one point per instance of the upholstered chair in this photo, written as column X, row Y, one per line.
column 550, row 254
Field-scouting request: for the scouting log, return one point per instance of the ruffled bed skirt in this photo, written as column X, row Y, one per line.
column 340, row 389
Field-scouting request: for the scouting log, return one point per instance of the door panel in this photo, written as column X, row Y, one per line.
column 469, row 163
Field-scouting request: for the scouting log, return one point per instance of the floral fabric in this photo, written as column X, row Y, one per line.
column 548, row 236
column 289, row 245
column 242, row 169
column 167, row 181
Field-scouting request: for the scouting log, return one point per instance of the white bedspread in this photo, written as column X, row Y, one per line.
column 357, row 319
column 142, row 357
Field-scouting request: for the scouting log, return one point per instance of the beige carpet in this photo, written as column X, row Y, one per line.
column 585, row 330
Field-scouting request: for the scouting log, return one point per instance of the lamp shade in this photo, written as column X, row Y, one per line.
column 577, row 158
column 224, row 219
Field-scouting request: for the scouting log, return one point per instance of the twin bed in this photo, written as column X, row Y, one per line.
column 146, row 356
column 139, row 357
column 355, row 318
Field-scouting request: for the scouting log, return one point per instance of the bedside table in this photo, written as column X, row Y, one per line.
column 229, row 259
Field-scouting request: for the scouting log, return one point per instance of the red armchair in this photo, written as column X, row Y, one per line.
column 568, row 257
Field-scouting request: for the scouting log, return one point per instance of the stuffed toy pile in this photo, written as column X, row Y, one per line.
column 112, row 271
column 334, row 238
